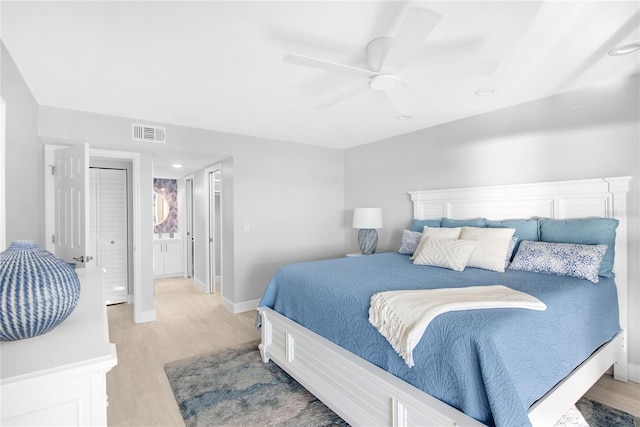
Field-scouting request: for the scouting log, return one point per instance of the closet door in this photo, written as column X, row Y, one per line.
column 111, row 232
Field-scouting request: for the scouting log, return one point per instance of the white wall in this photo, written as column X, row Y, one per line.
column 588, row 133
column 23, row 154
column 291, row 195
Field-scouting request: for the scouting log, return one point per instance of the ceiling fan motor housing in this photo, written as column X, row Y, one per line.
column 383, row 82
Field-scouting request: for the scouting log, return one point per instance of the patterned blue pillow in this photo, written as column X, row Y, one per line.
column 585, row 231
column 565, row 259
column 410, row 240
column 510, row 250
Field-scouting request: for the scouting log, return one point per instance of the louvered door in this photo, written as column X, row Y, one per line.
column 110, row 228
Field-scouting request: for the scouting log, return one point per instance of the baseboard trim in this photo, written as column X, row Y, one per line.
column 634, row 372
column 240, row 307
column 144, row 316
column 201, row 285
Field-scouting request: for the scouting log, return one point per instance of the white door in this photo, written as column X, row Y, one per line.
column 72, row 210
column 189, row 218
column 211, row 228
column 110, row 232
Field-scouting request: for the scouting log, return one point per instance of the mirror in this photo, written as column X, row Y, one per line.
column 160, row 209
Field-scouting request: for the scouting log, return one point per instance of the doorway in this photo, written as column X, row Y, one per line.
column 138, row 287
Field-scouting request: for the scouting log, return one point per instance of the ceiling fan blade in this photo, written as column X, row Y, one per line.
column 342, row 97
column 415, row 28
column 401, row 99
column 321, row 64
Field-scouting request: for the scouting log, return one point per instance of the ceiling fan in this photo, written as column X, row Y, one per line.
column 386, row 56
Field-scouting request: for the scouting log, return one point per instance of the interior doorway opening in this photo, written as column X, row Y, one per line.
column 134, row 232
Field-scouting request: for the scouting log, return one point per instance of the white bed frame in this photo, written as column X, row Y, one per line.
column 363, row 394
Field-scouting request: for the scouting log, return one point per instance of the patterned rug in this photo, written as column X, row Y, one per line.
column 234, row 387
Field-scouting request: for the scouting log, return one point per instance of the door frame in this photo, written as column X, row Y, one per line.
column 3, row 208
column 138, row 314
column 211, row 192
column 189, row 226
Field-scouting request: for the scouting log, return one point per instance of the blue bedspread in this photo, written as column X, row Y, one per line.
column 490, row 364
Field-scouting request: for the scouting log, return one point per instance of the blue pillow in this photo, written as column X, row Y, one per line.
column 565, row 259
column 451, row 223
column 526, row 229
column 586, row 231
column 419, row 224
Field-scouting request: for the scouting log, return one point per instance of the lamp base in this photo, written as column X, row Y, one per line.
column 368, row 240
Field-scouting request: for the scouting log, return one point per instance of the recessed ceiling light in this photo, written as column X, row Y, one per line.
column 403, row 117
column 485, row 92
column 625, row 49
column 176, row 165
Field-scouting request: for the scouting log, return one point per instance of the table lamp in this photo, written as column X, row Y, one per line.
column 367, row 220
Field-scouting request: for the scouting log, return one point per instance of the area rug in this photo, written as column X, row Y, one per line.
column 234, row 387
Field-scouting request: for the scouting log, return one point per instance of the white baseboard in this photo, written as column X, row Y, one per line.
column 144, row 316
column 227, row 304
column 240, row 307
column 201, row 285
column 634, row 372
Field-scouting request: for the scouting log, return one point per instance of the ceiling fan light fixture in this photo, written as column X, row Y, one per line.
column 384, row 82
column 625, row 49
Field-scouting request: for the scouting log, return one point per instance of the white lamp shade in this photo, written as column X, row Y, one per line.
column 367, row 218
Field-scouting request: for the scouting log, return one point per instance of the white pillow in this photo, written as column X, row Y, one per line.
column 492, row 246
column 448, row 253
column 437, row 233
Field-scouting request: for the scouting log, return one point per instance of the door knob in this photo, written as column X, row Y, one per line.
column 79, row 259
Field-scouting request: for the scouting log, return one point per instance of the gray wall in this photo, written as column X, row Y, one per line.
column 292, row 195
column 587, row 133
column 23, row 169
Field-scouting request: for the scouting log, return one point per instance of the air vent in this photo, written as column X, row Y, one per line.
column 148, row 133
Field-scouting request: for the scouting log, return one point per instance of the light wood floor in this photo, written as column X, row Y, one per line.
column 189, row 323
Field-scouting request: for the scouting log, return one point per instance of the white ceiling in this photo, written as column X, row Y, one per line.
column 219, row 65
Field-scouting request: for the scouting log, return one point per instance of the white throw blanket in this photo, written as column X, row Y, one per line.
column 403, row 316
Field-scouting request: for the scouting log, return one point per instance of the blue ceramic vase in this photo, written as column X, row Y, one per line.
column 37, row 291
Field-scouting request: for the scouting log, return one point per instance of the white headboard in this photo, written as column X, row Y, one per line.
column 600, row 197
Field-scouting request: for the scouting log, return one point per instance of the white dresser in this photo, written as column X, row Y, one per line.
column 59, row 378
